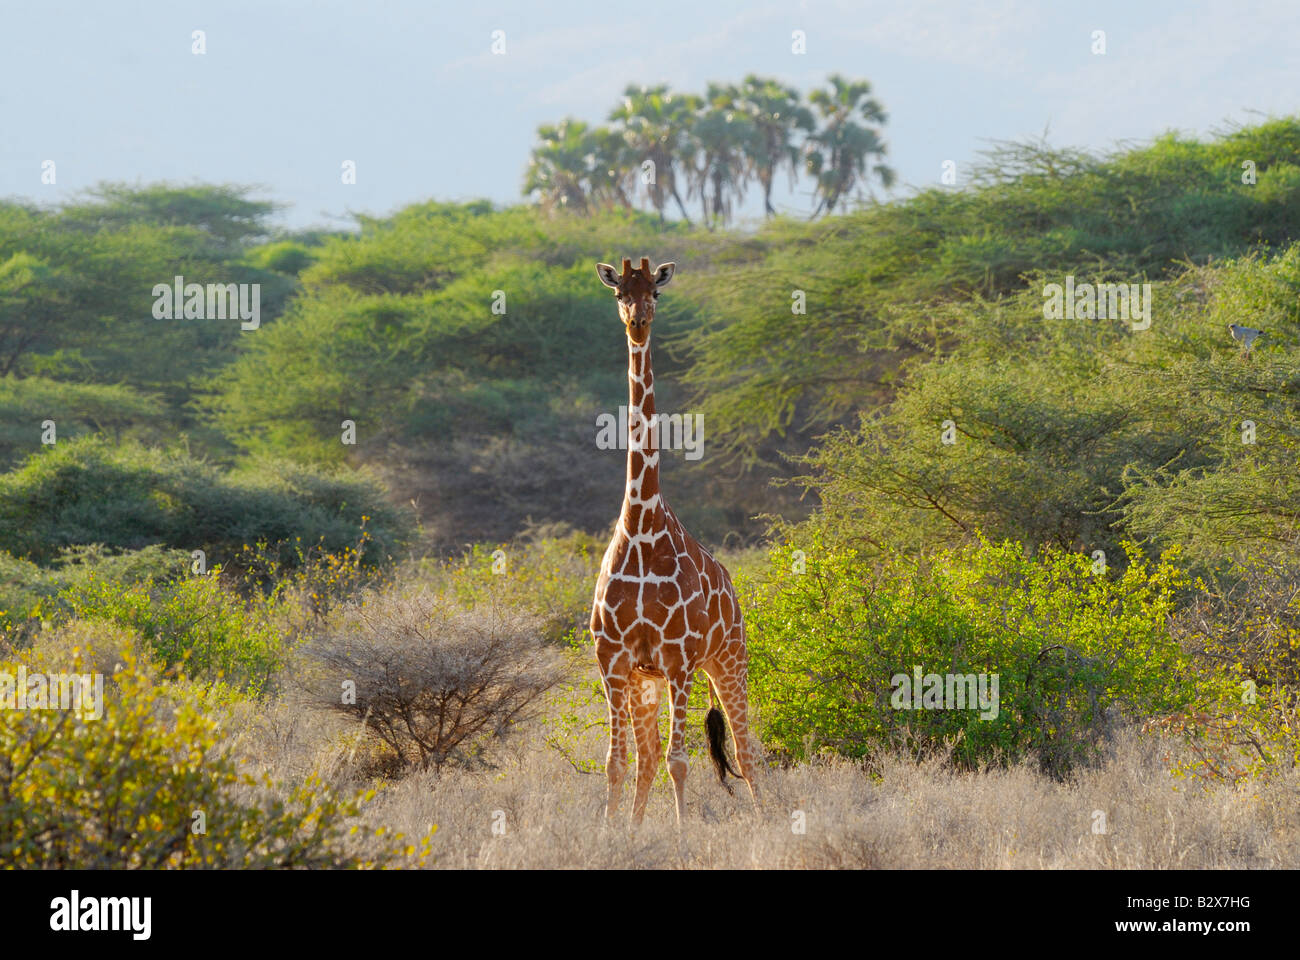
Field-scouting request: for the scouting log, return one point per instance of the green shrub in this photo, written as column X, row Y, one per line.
column 284, row 256
column 29, row 594
column 1243, row 623
column 77, row 409
column 196, row 624
column 1137, row 213
column 129, row 496
column 1068, row 646
column 147, row 785
column 153, row 562
column 23, row 588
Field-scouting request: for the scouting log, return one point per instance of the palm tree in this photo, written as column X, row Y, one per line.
column 776, row 112
column 653, row 123
column 561, row 166
column 723, row 139
column 843, row 154
column 612, row 171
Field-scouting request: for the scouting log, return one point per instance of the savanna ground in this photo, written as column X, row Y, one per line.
column 894, row 811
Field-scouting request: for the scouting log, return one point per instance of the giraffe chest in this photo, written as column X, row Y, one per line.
column 647, row 588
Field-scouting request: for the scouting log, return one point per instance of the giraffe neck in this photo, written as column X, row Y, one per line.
column 643, row 507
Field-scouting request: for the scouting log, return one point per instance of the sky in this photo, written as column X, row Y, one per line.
column 414, row 95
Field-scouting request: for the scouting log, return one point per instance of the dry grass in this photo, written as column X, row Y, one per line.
column 547, row 814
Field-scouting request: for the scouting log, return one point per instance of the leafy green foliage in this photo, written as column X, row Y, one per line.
column 1081, row 432
column 830, row 633
column 33, row 296
column 876, row 281
column 438, row 363
column 32, row 595
column 1243, row 621
column 93, row 265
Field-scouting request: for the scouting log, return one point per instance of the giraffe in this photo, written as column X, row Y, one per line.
column 664, row 607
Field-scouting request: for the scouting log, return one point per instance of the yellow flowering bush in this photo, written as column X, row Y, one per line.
column 148, row 785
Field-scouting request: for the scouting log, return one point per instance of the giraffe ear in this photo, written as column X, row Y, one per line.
column 665, row 273
column 607, row 275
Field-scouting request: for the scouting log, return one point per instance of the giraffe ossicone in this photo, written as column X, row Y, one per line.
column 664, row 608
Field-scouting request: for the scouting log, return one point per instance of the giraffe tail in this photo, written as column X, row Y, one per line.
column 715, row 724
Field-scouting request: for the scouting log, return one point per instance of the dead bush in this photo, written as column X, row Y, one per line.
column 434, row 682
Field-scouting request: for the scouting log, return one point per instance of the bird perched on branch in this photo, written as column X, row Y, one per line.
column 1245, row 336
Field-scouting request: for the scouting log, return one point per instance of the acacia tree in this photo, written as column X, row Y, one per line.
column 845, row 153
column 32, row 301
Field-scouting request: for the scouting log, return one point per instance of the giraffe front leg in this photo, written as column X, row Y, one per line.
column 616, row 759
column 679, row 686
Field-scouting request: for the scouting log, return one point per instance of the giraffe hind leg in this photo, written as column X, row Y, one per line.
column 715, row 727
column 644, row 704
column 679, row 688
column 616, row 759
column 732, row 694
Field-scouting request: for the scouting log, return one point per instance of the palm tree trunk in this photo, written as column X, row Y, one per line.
column 680, row 206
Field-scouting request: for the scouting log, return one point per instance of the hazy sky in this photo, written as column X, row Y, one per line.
column 411, row 91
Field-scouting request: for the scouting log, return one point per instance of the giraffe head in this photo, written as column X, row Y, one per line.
column 637, row 290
